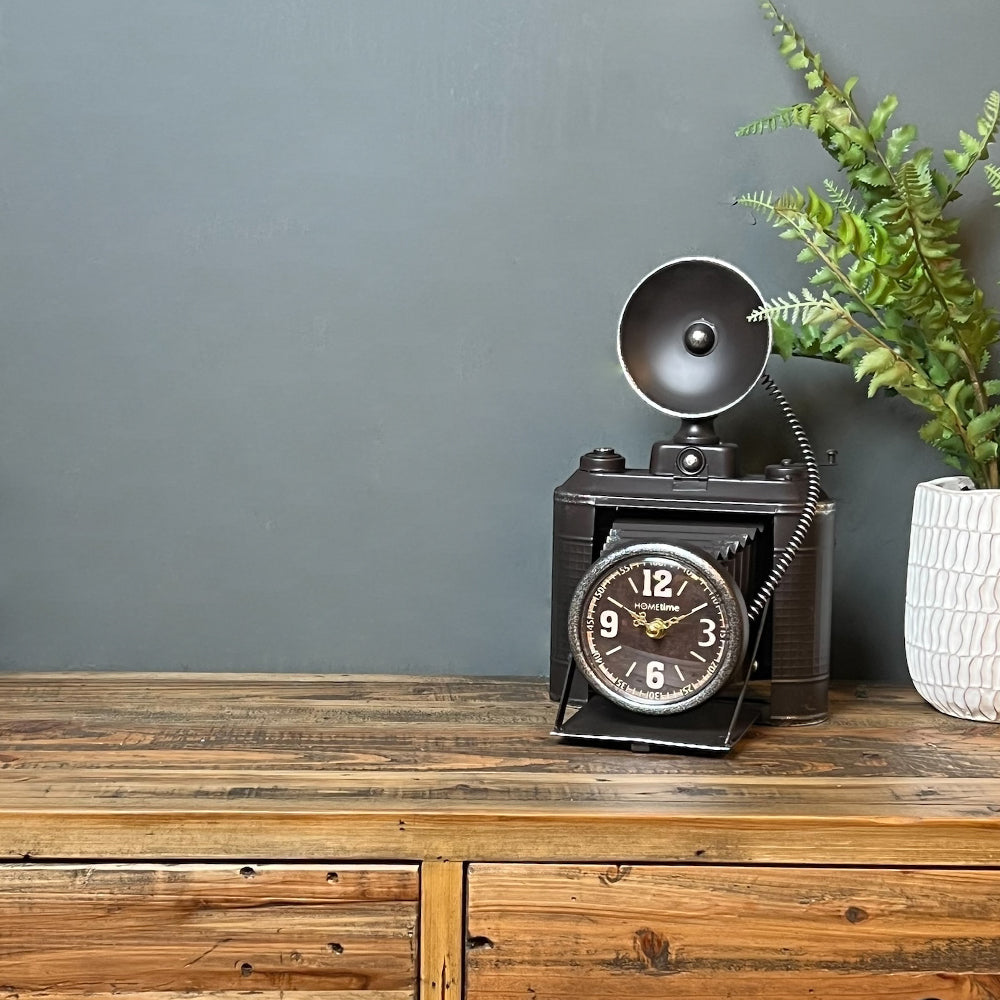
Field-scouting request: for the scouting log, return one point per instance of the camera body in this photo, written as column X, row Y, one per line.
column 694, row 494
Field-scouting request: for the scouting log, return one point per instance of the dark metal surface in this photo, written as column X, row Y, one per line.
column 684, row 340
column 715, row 726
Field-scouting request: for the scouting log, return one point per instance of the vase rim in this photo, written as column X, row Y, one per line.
column 953, row 485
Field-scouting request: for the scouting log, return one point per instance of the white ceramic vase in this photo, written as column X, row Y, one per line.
column 952, row 620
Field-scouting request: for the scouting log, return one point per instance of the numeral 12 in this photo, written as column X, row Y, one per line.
column 656, row 583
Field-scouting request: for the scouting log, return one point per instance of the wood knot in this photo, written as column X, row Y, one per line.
column 855, row 915
column 653, row 949
column 616, row 874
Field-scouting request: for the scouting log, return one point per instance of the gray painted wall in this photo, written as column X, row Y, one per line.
column 308, row 305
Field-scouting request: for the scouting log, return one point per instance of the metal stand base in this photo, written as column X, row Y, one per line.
column 713, row 727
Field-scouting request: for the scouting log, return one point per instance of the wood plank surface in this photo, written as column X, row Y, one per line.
column 8, row 994
column 687, row 933
column 442, row 929
column 312, row 766
column 106, row 929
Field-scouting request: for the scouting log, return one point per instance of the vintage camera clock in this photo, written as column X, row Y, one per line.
column 672, row 586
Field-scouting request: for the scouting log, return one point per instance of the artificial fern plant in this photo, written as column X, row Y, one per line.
column 889, row 294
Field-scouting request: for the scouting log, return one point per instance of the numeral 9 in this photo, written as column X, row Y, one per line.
column 609, row 624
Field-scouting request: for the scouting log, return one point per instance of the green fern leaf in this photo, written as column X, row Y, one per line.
column 851, row 346
column 841, row 199
column 875, row 361
column 881, row 115
column 853, row 233
column 787, row 117
column 932, row 431
column 819, row 212
column 937, row 371
column 783, row 338
column 956, row 389
column 980, row 427
column 986, row 124
column 986, row 451
column 959, row 162
column 835, row 333
column 993, row 177
column 872, row 175
column 969, row 143
column 880, row 291
column 891, row 378
column 899, row 141
column 973, row 148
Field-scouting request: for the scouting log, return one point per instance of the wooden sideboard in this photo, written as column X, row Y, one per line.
column 367, row 838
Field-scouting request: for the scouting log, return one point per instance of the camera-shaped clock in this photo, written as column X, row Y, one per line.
column 674, row 585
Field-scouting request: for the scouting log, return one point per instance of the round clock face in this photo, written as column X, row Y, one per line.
column 657, row 628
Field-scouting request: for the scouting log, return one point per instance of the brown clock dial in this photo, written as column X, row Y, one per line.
column 657, row 628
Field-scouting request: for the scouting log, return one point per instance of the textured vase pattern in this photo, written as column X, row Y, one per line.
column 952, row 619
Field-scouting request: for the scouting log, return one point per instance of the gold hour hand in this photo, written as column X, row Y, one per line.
column 638, row 617
column 654, row 629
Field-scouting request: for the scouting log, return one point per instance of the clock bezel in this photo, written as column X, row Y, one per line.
column 686, row 558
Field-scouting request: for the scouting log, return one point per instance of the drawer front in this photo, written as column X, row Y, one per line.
column 144, row 928
column 705, row 933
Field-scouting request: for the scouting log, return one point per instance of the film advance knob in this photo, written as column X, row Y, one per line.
column 786, row 471
column 602, row 460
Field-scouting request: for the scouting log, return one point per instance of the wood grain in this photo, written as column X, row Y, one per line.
column 687, row 933
column 107, row 929
column 136, row 766
column 104, row 777
column 442, row 929
column 8, row 994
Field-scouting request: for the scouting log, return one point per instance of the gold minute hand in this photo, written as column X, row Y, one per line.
column 658, row 626
column 664, row 625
